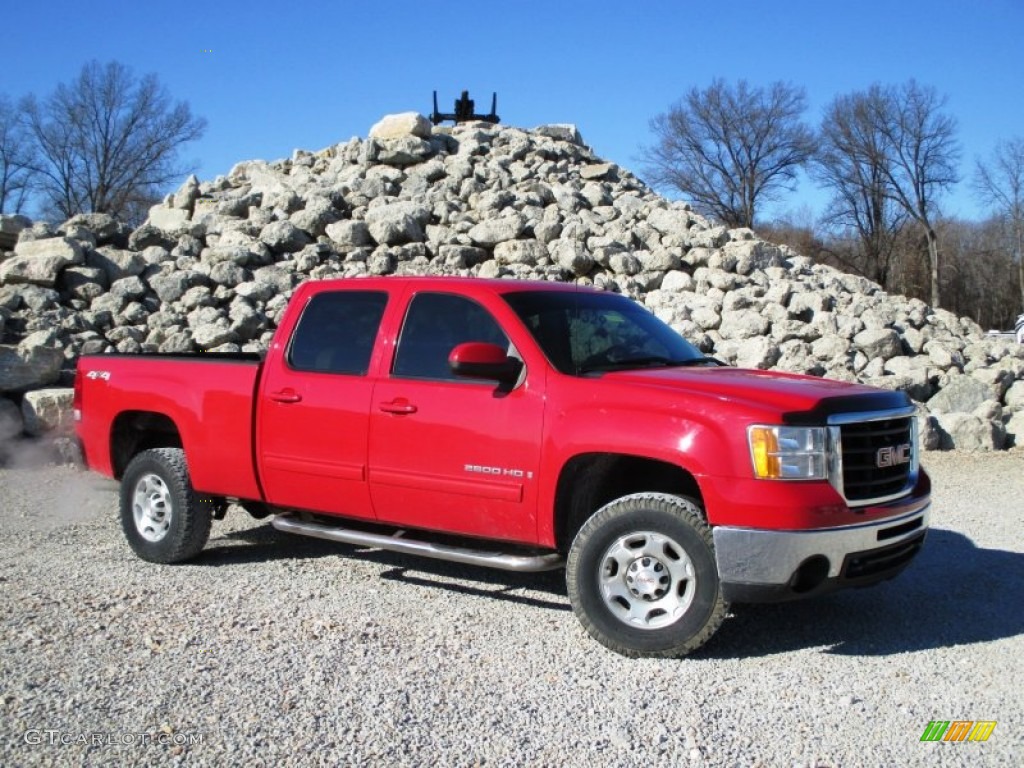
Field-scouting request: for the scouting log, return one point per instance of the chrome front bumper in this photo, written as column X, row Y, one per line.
column 757, row 564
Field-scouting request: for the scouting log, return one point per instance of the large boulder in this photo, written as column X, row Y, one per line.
column 172, row 285
column 47, row 410
column 493, row 231
column 751, row 255
column 398, row 223
column 314, row 218
column 1014, row 396
column 969, row 432
column 743, row 324
column 106, row 229
column 571, row 256
column 677, row 280
column 520, row 252
column 173, row 221
column 962, row 394
column 670, row 221
column 284, row 237
column 31, row 364
column 187, row 194
column 560, row 131
column 116, row 262
column 404, row 151
column 85, row 283
column 349, row 234
column 40, row 262
column 882, row 343
column 401, row 125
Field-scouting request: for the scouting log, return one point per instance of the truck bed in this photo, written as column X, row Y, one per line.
column 215, row 420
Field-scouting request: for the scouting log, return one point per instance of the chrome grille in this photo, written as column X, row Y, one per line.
column 879, row 458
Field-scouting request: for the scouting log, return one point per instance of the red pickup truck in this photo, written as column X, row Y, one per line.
column 525, row 426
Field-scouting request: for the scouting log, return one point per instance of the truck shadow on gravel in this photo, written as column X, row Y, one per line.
column 264, row 543
column 506, row 586
column 954, row 593
column 261, row 544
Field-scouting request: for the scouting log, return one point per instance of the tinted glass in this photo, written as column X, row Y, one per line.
column 434, row 325
column 336, row 332
column 582, row 332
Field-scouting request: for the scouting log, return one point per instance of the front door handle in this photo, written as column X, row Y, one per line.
column 399, row 406
column 285, row 396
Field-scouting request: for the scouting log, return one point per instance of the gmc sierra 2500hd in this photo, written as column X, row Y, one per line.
column 525, row 426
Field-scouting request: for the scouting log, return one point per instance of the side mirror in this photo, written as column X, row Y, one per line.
column 479, row 360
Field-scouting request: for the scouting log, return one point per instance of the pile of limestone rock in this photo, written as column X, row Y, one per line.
column 214, row 265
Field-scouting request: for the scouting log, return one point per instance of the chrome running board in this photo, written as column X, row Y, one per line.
column 398, row 543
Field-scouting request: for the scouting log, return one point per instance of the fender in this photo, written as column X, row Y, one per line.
column 598, row 416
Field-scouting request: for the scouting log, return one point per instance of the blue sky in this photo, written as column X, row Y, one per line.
column 272, row 77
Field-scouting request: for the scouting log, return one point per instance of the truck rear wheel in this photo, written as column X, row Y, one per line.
column 161, row 515
column 642, row 576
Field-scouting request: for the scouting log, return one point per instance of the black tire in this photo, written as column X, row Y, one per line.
column 642, row 576
column 162, row 517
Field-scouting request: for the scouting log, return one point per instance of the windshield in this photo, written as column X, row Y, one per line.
column 582, row 332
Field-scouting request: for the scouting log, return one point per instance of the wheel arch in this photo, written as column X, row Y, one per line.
column 588, row 481
column 132, row 432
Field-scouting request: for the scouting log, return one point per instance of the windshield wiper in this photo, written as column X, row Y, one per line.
column 649, row 361
column 701, row 361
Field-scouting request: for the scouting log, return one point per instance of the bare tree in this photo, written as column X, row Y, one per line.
column 728, row 148
column 853, row 162
column 799, row 229
column 1000, row 185
column 977, row 261
column 16, row 160
column 108, row 141
column 920, row 144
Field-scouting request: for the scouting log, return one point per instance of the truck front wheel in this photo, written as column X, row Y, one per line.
column 163, row 518
column 642, row 577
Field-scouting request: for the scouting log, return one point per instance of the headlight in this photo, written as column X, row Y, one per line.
column 789, row 453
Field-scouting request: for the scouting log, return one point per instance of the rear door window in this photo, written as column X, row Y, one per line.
column 337, row 331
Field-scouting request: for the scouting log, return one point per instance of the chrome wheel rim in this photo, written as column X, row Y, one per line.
column 647, row 580
column 152, row 507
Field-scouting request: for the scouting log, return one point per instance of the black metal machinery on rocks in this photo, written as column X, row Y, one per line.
column 464, row 111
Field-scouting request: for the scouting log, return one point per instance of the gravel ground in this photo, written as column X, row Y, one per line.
column 273, row 650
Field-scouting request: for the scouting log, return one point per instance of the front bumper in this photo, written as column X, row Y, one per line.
column 759, row 565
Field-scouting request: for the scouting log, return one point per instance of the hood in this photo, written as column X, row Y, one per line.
column 797, row 398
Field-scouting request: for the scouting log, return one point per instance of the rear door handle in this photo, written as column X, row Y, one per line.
column 285, row 396
column 400, row 406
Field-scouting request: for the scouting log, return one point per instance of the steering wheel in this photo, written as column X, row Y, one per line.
column 609, row 356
